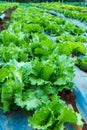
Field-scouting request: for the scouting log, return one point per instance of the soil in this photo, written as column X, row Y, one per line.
column 6, row 19
column 85, row 71
column 70, row 98
column 85, row 127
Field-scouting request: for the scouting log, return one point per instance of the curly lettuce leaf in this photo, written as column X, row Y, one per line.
column 54, row 115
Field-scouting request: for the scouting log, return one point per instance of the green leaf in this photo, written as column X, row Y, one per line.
column 59, row 126
column 53, row 115
column 36, row 81
column 4, row 72
column 46, row 72
column 42, row 119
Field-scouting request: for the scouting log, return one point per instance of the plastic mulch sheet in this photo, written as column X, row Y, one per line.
column 80, row 90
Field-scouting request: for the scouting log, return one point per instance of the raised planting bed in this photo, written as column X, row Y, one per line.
column 34, row 72
column 19, row 119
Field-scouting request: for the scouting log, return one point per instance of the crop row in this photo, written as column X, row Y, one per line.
column 70, row 11
column 34, row 69
column 6, row 6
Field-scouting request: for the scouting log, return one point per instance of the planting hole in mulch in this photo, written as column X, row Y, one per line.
column 70, row 98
